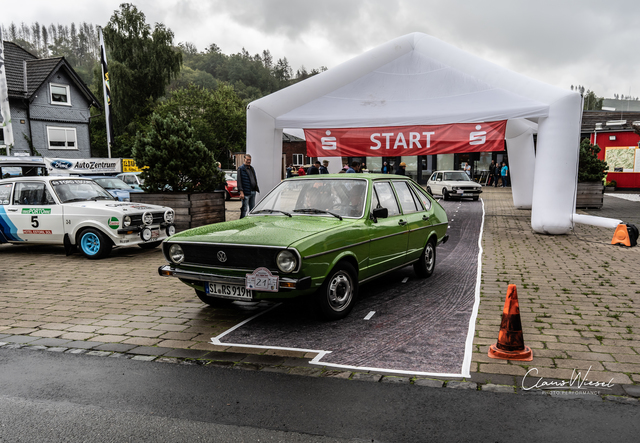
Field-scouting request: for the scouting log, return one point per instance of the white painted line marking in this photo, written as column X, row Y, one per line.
column 369, row 315
column 406, row 279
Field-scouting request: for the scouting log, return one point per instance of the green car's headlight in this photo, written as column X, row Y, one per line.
column 126, row 221
column 286, row 261
column 176, row 254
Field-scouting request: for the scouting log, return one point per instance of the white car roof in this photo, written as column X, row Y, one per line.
column 45, row 178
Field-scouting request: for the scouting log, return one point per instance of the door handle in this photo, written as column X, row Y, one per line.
column 402, row 222
column 12, row 209
column 425, row 218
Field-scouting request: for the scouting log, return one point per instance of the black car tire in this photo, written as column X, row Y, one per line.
column 150, row 245
column 94, row 244
column 337, row 295
column 214, row 302
column 445, row 194
column 427, row 263
column 429, row 190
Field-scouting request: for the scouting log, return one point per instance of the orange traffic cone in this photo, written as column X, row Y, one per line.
column 510, row 345
column 626, row 235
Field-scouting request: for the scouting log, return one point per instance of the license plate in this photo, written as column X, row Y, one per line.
column 262, row 280
column 228, row 291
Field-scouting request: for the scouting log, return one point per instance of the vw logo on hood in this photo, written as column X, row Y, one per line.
column 222, row 257
column 61, row 164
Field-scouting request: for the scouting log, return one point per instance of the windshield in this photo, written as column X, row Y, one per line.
column 322, row 197
column 230, row 176
column 111, row 183
column 70, row 190
column 456, row 176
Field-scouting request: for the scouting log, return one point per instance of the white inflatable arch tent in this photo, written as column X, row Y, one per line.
column 417, row 79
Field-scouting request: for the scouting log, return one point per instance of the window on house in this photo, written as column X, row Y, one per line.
column 59, row 94
column 298, row 159
column 62, row 138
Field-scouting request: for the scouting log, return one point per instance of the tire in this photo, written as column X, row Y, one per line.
column 445, row 194
column 150, row 245
column 337, row 295
column 427, row 263
column 94, row 244
column 227, row 196
column 213, row 301
column 429, row 190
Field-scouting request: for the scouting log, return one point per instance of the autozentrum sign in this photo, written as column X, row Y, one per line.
column 393, row 141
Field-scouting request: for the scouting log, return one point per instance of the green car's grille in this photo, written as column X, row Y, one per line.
column 230, row 256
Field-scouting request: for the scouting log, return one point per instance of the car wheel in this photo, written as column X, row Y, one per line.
column 94, row 244
column 150, row 245
column 213, row 301
column 445, row 194
column 426, row 264
column 227, row 196
column 429, row 190
column 338, row 293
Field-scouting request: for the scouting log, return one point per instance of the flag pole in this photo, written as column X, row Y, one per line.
column 5, row 109
column 106, row 92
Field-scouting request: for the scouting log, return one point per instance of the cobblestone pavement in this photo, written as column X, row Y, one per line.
column 578, row 296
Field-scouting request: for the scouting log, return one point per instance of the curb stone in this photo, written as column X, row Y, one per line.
column 629, row 393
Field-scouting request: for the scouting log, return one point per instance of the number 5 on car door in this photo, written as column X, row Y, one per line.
column 37, row 217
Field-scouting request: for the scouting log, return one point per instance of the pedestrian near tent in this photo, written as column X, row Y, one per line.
column 401, row 169
column 467, row 169
column 301, row 172
column 504, row 172
column 355, row 167
column 289, row 171
column 247, row 185
column 492, row 168
column 385, row 168
column 496, row 175
column 324, row 169
column 315, row 168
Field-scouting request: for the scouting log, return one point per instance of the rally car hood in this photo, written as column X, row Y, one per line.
column 267, row 230
column 117, row 206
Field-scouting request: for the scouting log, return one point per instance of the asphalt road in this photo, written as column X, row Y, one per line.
column 401, row 322
column 52, row 397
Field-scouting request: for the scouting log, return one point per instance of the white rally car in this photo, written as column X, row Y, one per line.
column 77, row 212
column 453, row 184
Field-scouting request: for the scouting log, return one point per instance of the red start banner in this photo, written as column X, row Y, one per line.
column 392, row 141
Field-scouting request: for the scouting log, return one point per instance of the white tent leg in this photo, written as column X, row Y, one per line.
column 519, row 136
column 555, row 176
column 264, row 143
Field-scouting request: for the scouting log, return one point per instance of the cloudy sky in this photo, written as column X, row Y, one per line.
column 561, row 42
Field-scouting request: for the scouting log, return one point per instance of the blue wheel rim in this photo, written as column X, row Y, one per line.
column 90, row 243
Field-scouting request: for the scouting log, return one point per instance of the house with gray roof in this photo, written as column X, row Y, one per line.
column 49, row 104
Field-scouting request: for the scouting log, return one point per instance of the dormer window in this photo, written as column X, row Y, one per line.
column 59, row 94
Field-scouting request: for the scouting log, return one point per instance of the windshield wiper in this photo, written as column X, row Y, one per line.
column 272, row 210
column 77, row 199
column 317, row 211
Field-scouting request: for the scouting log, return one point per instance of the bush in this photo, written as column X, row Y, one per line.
column 591, row 168
column 176, row 160
column 611, row 183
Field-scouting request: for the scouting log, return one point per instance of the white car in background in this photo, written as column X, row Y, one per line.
column 132, row 179
column 453, row 184
column 77, row 213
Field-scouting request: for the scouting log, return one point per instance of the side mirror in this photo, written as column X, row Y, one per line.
column 380, row 213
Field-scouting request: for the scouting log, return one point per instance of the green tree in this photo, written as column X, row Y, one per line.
column 142, row 63
column 218, row 117
column 591, row 168
column 177, row 161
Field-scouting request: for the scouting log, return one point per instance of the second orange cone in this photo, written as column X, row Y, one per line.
column 510, row 345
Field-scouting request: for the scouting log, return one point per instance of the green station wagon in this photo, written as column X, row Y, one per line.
column 318, row 236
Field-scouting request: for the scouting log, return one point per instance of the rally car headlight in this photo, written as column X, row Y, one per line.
column 126, row 221
column 171, row 230
column 147, row 218
column 168, row 216
column 176, row 254
column 286, row 261
column 146, row 234
column 454, row 188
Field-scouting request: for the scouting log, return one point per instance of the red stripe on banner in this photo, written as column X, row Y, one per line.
column 393, row 141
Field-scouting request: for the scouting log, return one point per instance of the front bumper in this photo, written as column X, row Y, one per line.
column 284, row 282
column 139, row 228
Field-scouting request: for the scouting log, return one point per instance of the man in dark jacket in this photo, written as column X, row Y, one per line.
column 247, row 185
column 315, row 168
column 402, row 169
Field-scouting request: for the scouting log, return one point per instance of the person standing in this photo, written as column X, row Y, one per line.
column 315, row 168
column 355, row 167
column 247, row 185
column 324, row 169
column 385, row 168
column 492, row 168
column 496, row 175
column 504, row 172
column 301, row 171
column 467, row 169
column 289, row 171
column 402, row 169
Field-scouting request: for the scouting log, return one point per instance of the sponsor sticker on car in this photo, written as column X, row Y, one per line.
column 36, row 211
column 262, row 280
column 114, row 223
